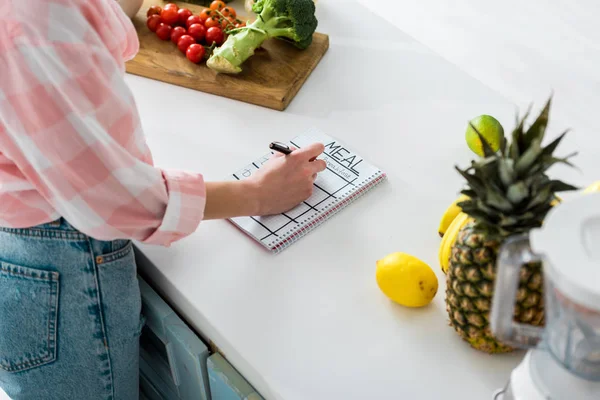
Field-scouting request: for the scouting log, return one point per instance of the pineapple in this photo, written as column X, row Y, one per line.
column 509, row 193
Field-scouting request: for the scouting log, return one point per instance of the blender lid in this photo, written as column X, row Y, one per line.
column 570, row 242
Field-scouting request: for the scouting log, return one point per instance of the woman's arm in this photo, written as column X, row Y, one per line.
column 230, row 199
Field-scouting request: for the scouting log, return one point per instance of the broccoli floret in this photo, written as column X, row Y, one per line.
column 293, row 21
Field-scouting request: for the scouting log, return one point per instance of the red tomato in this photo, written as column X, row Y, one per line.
column 194, row 19
column 153, row 22
column 197, row 31
column 195, row 53
column 217, row 5
column 177, row 32
column 169, row 16
column 163, row 31
column 171, row 5
column 209, row 23
column 183, row 14
column 214, row 35
column 228, row 12
column 153, row 10
column 206, row 14
column 227, row 23
column 184, row 42
column 240, row 25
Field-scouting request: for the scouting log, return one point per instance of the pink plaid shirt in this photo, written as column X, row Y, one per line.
column 71, row 143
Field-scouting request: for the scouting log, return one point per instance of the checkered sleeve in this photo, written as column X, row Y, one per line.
column 70, row 124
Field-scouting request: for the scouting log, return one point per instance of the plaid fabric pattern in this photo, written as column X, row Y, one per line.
column 71, row 142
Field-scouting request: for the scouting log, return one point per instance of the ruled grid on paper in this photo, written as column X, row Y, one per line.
column 347, row 174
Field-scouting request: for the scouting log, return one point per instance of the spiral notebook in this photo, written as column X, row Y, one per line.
column 348, row 176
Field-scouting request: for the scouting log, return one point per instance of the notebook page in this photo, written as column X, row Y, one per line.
column 346, row 173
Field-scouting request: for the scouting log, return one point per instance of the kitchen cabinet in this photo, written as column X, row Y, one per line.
column 172, row 357
column 176, row 364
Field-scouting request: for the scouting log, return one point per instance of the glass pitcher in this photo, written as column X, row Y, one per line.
column 572, row 330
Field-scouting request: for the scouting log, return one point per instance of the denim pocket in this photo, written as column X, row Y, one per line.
column 120, row 292
column 28, row 317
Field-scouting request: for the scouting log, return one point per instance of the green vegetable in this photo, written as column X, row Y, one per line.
column 293, row 21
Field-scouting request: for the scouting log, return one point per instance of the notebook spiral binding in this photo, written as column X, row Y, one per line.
column 310, row 223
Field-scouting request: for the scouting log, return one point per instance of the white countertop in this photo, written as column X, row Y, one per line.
column 311, row 323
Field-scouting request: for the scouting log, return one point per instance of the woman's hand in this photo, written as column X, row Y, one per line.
column 279, row 185
column 287, row 180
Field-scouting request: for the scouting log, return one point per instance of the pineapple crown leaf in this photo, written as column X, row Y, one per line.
column 474, row 182
column 521, row 138
column 517, row 192
column 517, row 134
column 487, row 149
column 549, row 149
column 564, row 160
column 503, row 144
column 560, row 186
column 537, row 130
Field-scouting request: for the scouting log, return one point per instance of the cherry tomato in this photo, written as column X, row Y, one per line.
column 184, row 42
column 171, row 5
column 183, row 14
column 195, row 53
column 211, row 22
column 240, row 25
column 214, row 35
column 153, row 22
column 206, row 14
column 177, row 32
column 217, row 5
column 153, row 10
column 194, row 19
column 226, row 24
column 169, row 16
column 228, row 12
column 163, row 31
column 197, row 31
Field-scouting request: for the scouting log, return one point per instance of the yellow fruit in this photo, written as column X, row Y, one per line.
column 491, row 130
column 449, row 239
column 594, row 187
column 451, row 212
column 406, row 280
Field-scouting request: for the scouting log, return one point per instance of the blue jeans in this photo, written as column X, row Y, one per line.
column 70, row 315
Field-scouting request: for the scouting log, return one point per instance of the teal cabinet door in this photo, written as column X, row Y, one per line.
column 188, row 356
column 226, row 383
column 173, row 359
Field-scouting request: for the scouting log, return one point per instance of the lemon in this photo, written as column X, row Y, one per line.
column 490, row 129
column 406, row 280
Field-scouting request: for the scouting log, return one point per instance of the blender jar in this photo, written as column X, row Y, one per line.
column 572, row 333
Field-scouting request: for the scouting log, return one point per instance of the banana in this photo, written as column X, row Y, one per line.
column 594, row 187
column 445, row 249
column 450, row 214
column 441, row 250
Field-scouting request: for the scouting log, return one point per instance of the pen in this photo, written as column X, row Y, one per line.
column 280, row 147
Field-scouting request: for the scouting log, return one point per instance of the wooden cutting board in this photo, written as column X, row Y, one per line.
column 270, row 78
